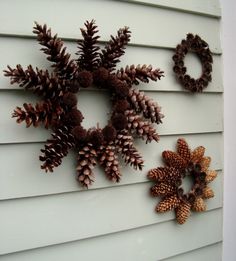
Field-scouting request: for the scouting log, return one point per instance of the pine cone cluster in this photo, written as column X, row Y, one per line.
column 194, row 44
column 168, row 181
column 132, row 111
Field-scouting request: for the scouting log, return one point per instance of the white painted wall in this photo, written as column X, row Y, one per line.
column 229, row 57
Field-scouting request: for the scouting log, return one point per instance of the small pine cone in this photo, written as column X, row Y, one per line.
column 57, row 148
column 133, row 74
column 210, row 175
column 183, row 149
column 43, row 112
column 86, row 162
column 183, row 212
column 173, row 159
column 140, row 127
column 146, row 105
column 207, row 193
column 197, row 154
column 166, row 174
column 168, row 203
column 199, row 205
column 205, row 163
column 162, row 189
column 109, row 161
column 129, row 153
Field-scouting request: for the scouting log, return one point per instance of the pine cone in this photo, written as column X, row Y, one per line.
column 173, row 159
column 164, row 174
column 125, row 145
column 86, row 162
column 207, row 193
column 43, row 112
column 162, row 189
column 40, row 82
column 56, row 148
column 210, row 175
column 109, row 161
column 114, row 49
column 55, row 51
column 133, row 74
column 183, row 212
column 197, row 154
column 144, row 104
column 199, row 205
column 140, row 127
column 205, row 163
column 183, row 149
column 88, row 49
column 168, row 203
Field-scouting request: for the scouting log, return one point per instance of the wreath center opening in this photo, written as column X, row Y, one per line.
column 193, row 64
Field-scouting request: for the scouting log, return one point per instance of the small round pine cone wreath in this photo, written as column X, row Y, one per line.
column 193, row 43
column 132, row 111
column 169, row 180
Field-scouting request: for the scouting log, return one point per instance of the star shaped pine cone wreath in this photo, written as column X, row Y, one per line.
column 169, row 179
column 132, row 111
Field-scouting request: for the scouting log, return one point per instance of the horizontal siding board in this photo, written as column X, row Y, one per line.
column 26, row 51
column 203, row 111
column 152, row 30
column 203, row 7
column 66, row 217
column 211, row 252
column 152, row 242
column 24, row 178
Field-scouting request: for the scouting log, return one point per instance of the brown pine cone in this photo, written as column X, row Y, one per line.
column 210, row 175
column 146, row 105
column 207, row 193
column 164, row 174
column 109, row 161
column 86, row 162
column 56, row 148
column 168, row 203
column 140, row 127
column 129, row 153
column 43, row 112
column 197, row 154
column 183, row 212
column 162, row 189
column 133, row 74
column 183, row 149
column 173, row 159
column 199, row 205
column 205, row 163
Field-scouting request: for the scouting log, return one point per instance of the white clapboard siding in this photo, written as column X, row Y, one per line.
column 74, row 216
column 203, row 7
column 211, row 253
column 150, row 26
column 26, row 51
column 204, row 112
column 24, row 178
column 49, row 216
column 154, row 242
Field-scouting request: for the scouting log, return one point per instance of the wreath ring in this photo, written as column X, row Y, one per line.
column 132, row 111
column 194, row 44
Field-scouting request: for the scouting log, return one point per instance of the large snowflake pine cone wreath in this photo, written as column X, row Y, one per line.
column 169, row 179
column 58, row 109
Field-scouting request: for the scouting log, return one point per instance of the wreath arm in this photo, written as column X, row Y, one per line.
column 134, row 74
column 53, row 48
column 43, row 112
column 38, row 81
column 56, row 148
column 144, row 104
column 115, row 49
column 88, row 48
